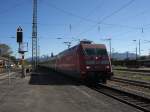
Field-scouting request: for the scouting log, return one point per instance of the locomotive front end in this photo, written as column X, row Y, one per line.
column 97, row 65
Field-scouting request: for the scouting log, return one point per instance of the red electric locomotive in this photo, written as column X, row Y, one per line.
column 85, row 61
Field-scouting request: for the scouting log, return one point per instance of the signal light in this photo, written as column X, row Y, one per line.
column 19, row 35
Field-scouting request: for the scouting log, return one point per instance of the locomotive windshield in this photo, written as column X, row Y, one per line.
column 90, row 51
column 101, row 52
column 95, row 51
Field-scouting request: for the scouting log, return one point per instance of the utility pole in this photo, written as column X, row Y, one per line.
column 136, row 53
column 109, row 39
column 110, row 47
column 139, row 48
column 70, row 27
column 127, row 55
column 135, row 48
column 34, row 36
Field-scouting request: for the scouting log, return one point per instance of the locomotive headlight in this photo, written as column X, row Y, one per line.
column 107, row 67
column 88, row 67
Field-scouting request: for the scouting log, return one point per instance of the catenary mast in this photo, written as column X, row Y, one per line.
column 34, row 36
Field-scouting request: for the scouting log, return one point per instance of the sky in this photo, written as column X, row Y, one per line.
column 97, row 20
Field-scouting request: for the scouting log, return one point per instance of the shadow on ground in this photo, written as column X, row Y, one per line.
column 45, row 76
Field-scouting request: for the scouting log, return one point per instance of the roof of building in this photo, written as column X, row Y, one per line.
column 3, row 58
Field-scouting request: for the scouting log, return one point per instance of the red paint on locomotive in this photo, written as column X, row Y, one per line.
column 84, row 61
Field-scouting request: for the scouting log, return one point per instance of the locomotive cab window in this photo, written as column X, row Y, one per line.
column 101, row 52
column 90, row 51
column 95, row 52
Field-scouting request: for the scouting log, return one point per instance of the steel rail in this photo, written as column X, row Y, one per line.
column 134, row 100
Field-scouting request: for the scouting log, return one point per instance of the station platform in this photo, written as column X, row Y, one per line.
column 51, row 92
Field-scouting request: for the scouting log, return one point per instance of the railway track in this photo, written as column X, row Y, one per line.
column 132, row 82
column 4, row 71
column 136, row 101
column 4, row 76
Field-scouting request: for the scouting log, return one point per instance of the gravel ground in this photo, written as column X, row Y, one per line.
column 54, row 93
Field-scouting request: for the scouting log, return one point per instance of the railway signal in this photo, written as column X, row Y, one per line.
column 21, row 49
column 19, row 35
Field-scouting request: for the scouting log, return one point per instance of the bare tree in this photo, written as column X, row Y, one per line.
column 5, row 50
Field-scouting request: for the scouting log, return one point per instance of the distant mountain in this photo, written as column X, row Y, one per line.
column 116, row 56
column 122, row 56
column 42, row 58
column 29, row 59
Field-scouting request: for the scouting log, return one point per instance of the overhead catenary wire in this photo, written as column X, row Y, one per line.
column 116, row 11
column 137, row 14
column 90, row 20
column 82, row 18
column 99, row 23
column 99, row 6
column 108, row 16
column 67, row 12
column 18, row 4
column 94, row 21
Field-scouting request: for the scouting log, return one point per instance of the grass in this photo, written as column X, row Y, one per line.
column 132, row 76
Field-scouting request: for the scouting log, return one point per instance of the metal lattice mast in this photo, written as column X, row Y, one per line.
column 34, row 36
